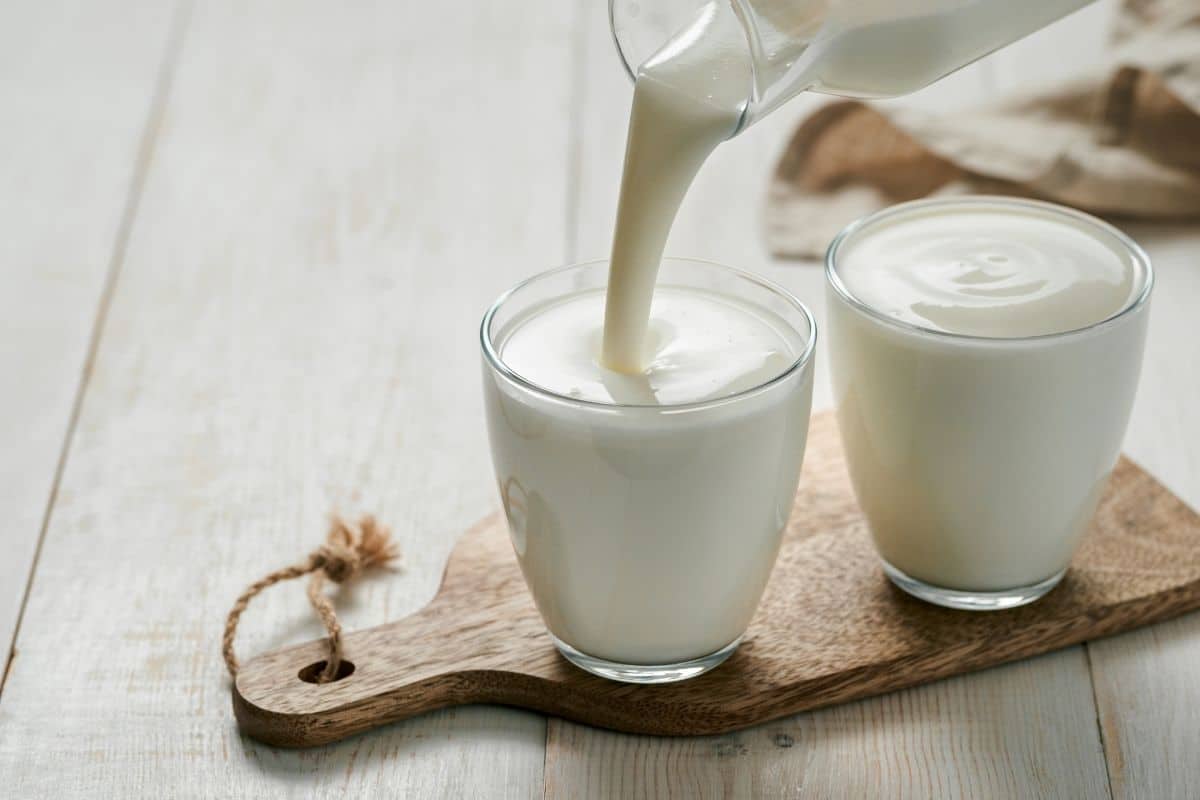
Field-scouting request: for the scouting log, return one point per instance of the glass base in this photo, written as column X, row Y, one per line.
column 971, row 601
column 645, row 673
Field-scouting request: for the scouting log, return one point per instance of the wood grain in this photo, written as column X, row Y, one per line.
column 76, row 90
column 830, row 628
column 1147, row 682
column 208, row 429
column 324, row 219
column 975, row 735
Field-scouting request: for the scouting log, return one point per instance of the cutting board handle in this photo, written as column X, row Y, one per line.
column 389, row 673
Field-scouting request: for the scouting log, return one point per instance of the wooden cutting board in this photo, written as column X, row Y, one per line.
column 831, row 628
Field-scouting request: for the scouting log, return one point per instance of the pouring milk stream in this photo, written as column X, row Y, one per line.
column 734, row 61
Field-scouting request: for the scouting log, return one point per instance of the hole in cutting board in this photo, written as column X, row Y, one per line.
column 310, row 673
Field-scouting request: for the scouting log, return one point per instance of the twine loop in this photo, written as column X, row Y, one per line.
column 349, row 549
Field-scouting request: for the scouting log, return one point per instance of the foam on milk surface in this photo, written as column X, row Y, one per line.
column 688, row 99
column 699, row 346
column 988, row 271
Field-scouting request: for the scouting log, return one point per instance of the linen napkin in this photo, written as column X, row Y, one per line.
column 1123, row 140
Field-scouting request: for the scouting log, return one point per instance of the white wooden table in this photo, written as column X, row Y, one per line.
column 244, row 248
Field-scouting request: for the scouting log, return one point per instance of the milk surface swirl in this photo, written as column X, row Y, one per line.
column 699, row 346
column 988, row 271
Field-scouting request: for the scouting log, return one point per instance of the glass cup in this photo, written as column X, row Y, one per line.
column 979, row 461
column 845, row 47
column 646, row 533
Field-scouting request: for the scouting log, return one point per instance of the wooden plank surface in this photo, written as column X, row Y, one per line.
column 335, row 195
column 76, row 99
column 1147, row 682
column 327, row 204
column 976, row 736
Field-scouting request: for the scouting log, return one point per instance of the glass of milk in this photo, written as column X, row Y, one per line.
column 984, row 354
column 646, row 509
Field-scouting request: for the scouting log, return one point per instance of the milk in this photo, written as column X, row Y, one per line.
column 736, row 60
column 877, row 48
column 701, row 345
column 985, row 355
column 997, row 270
column 687, row 100
column 646, row 511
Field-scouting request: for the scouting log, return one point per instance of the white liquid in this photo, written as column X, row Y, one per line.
column 881, row 48
column 687, row 100
column 700, row 346
column 646, row 534
column 692, row 93
column 979, row 462
column 989, row 271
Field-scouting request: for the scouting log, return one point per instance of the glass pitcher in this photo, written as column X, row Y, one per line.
column 855, row 48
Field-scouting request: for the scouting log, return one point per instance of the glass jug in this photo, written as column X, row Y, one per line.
column 856, row 48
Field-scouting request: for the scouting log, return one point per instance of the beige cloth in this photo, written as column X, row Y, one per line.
column 1122, row 141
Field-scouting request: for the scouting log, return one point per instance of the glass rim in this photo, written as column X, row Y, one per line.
column 495, row 361
column 1140, row 259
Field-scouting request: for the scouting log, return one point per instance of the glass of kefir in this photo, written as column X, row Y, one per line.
column 984, row 352
column 646, row 508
